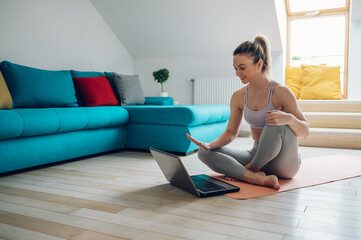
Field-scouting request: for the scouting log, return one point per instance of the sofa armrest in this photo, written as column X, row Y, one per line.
column 158, row 101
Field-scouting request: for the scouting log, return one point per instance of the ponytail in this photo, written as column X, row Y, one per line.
column 258, row 49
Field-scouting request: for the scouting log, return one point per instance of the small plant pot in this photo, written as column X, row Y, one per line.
column 163, row 94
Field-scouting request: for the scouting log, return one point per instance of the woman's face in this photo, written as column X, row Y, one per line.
column 246, row 70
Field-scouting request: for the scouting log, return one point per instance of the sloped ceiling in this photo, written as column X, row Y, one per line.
column 179, row 28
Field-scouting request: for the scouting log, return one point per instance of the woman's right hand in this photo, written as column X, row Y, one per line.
column 205, row 146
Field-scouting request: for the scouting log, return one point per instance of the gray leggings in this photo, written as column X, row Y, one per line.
column 275, row 153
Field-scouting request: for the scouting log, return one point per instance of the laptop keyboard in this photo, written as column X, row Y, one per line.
column 205, row 185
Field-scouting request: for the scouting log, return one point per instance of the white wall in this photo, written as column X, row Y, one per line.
column 181, row 68
column 354, row 70
column 60, row 34
column 281, row 56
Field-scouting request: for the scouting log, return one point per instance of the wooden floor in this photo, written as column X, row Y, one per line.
column 124, row 195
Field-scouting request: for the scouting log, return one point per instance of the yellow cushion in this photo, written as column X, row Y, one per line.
column 6, row 102
column 293, row 79
column 320, row 82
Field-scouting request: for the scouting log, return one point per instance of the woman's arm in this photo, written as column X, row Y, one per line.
column 233, row 126
column 290, row 115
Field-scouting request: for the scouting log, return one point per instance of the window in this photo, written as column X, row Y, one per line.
column 318, row 34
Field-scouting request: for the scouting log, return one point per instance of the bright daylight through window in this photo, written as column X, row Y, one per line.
column 318, row 34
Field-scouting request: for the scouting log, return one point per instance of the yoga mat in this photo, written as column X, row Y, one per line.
column 313, row 171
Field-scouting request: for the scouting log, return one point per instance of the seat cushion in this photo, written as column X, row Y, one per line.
column 105, row 116
column 31, row 87
column 27, row 122
column 38, row 121
column 183, row 115
column 11, row 124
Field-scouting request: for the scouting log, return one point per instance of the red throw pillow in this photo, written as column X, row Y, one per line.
column 96, row 91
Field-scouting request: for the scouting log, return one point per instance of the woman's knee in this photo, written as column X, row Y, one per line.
column 282, row 171
column 282, row 130
column 202, row 154
column 288, row 174
column 205, row 156
column 271, row 128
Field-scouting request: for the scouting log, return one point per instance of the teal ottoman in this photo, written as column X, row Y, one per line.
column 165, row 127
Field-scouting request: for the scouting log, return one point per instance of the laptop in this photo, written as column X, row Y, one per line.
column 200, row 185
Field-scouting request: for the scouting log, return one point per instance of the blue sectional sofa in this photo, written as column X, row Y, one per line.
column 42, row 129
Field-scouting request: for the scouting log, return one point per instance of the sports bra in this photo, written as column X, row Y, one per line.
column 256, row 118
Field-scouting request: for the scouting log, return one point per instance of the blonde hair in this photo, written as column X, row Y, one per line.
column 258, row 49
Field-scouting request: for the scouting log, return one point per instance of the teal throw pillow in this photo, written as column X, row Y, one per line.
column 36, row 88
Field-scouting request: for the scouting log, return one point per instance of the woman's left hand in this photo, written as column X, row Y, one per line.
column 277, row 118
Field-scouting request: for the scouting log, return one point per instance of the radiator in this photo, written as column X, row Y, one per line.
column 214, row 90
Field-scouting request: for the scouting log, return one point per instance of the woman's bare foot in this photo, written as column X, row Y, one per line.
column 228, row 178
column 260, row 178
column 252, row 168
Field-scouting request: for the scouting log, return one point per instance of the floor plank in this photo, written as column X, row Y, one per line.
column 211, row 223
column 90, row 235
column 39, row 225
column 100, row 226
column 149, row 225
column 16, row 233
column 58, row 198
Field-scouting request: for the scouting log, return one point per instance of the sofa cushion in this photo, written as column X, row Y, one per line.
column 31, row 87
column 183, row 115
column 70, row 119
column 106, row 116
column 80, row 74
column 40, row 121
column 158, row 101
column 6, row 102
column 129, row 89
column 73, row 119
column 110, row 76
column 11, row 124
column 96, row 91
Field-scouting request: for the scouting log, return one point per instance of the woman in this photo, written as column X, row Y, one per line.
column 276, row 122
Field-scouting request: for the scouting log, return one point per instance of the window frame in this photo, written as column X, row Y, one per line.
column 321, row 13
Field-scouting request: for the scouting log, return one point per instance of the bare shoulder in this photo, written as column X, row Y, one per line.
column 238, row 97
column 283, row 97
column 283, row 93
column 239, row 93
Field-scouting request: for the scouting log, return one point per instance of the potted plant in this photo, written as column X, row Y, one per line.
column 161, row 76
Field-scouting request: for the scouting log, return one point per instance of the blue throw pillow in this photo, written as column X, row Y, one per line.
column 31, row 87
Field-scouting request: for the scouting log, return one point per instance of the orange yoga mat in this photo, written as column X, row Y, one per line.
column 313, row 171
